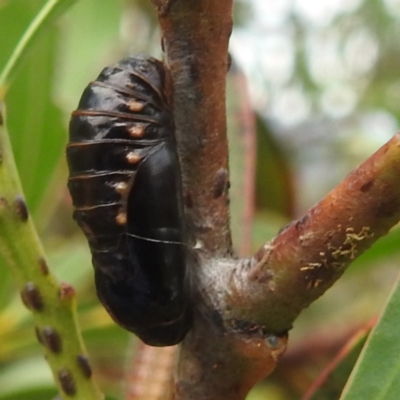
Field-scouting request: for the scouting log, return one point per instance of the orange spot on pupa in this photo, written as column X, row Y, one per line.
column 136, row 131
column 135, row 106
column 132, row 157
column 121, row 219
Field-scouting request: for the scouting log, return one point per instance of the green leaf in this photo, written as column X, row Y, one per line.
column 12, row 28
column 48, row 13
column 35, row 124
column 274, row 181
column 73, row 263
column 36, row 130
column 33, row 394
column 376, row 375
column 332, row 380
column 89, row 41
column 6, row 284
column 23, row 376
column 385, row 248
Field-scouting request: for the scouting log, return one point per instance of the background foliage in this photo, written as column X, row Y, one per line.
column 323, row 80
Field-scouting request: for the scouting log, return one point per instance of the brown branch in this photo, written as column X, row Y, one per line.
column 216, row 365
column 244, row 308
column 310, row 254
column 195, row 37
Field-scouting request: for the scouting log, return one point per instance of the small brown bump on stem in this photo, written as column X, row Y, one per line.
column 43, row 266
column 51, row 339
column 21, row 208
column 367, row 186
column 220, row 183
column 32, row 297
column 135, row 106
column 67, row 382
column 84, row 365
column 66, row 291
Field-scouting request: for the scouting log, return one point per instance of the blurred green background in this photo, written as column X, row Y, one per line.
column 324, row 94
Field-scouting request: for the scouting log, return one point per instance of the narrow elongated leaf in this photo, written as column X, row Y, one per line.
column 89, row 41
column 376, row 375
column 36, row 131
column 383, row 249
column 12, row 28
column 331, row 381
column 274, row 180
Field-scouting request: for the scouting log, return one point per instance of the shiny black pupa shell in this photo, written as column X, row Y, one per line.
column 125, row 183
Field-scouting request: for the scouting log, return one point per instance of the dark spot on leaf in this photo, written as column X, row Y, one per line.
column 84, row 365
column 51, row 339
column 67, row 382
column 31, row 297
column 21, row 208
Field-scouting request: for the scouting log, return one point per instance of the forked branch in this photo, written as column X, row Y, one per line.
column 244, row 308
